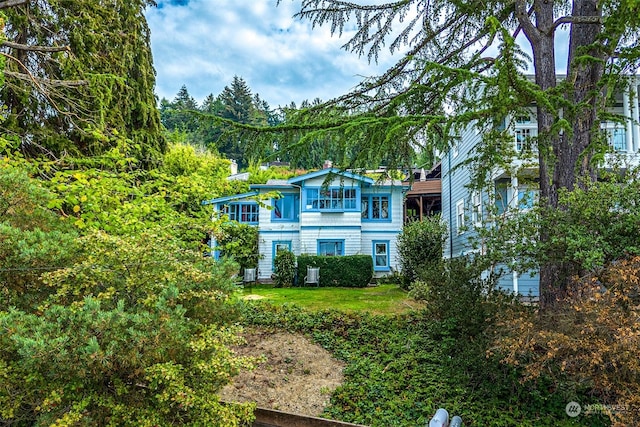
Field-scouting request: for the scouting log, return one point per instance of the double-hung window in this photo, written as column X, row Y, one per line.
column 381, row 255
column 331, row 199
column 246, row 213
column 376, row 207
column 331, row 247
column 285, row 208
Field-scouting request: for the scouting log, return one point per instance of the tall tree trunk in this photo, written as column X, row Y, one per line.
column 570, row 165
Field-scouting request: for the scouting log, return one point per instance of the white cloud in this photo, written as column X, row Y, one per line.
column 204, row 43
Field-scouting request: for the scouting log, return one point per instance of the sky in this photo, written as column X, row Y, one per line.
column 203, row 44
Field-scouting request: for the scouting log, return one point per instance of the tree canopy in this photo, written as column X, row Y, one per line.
column 79, row 77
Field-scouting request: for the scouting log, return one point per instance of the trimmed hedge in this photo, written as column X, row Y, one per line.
column 352, row 271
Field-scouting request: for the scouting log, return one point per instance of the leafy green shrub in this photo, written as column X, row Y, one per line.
column 124, row 365
column 238, row 242
column 354, row 271
column 285, row 269
column 420, row 246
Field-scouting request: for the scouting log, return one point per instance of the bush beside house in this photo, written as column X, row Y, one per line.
column 355, row 271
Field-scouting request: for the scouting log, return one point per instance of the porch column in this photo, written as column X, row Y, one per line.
column 513, row 200
column 626, row 112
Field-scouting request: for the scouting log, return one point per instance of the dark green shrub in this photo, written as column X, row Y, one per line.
column 284, row 269
column 354, row 271
column 420, row 246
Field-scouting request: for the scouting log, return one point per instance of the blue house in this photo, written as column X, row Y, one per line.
column 513, row 188
column 327, row 212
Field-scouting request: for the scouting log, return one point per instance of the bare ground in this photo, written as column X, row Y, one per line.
column 296, row 376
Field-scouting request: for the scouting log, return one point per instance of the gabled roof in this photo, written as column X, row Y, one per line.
column 230, row 198
column 337, row 172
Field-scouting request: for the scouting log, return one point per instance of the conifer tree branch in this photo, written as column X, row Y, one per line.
column 577, row 20
column 10, row 3
column 47, row 82
column 30, row 48
column 524, row 18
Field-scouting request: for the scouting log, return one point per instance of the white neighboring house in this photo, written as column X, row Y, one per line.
column 463, row 210
column 327, row 212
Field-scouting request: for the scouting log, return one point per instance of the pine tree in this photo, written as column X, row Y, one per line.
column 238, row 107
column 179, row 114
column 80, row 77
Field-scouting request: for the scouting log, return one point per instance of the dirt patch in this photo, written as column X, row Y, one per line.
column 297, row 375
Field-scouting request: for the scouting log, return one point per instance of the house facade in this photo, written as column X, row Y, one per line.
column 327, row 212
column 514, row 188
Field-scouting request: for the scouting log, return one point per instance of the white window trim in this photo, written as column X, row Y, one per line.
column 476, row 205
column 460, row 216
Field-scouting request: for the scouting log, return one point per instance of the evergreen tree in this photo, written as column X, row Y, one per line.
column 238, row 107
column 79, row 77
column 179, row 114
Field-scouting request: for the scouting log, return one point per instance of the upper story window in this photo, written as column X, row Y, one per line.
column 246, row 212
column 527, row 197
column 331, row 199
column 285, row 208
column 616, row 136
column 376, row 207
column 524, row 139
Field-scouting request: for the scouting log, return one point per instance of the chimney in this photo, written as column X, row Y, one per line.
column 328, row 164
column 234, row 167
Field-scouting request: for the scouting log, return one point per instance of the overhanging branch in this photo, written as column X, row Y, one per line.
column 577, row 20
column 11, row 3
column 46, row 82
column 30, row 48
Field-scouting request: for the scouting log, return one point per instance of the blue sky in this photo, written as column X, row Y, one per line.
column 204, row 43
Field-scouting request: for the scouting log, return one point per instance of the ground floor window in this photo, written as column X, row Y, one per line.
column 280, row 245
column 331, row 247
column 381, row 255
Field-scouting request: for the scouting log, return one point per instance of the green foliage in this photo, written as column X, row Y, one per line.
column 258, row 175
column 420, row 248
column 204, row 126
column 238, row 242
column 587, row 235
column 123, row 365
column 109, row 194
column 89, row 97
column 115, row 268
column 398, row 373
column 109, row 314
column 349, row 271
column 284, row 269
column 33, row 240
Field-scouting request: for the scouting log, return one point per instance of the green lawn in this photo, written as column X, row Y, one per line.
column 382, row 299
